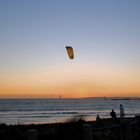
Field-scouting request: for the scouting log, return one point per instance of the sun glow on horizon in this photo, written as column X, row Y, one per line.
column 72, row 81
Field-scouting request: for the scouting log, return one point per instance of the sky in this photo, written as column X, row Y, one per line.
column 105, row 36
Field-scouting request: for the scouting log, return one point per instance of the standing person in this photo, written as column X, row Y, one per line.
column 113, row 114
column 98, row 118
column 121, row 111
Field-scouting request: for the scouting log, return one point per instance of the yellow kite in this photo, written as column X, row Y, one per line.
column 70, row 52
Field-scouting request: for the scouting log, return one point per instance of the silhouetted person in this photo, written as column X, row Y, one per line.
column 98, row 121
column 113, row 114
column 121, row 111
column 98, row 118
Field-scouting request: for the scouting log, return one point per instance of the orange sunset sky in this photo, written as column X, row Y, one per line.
column 105, row 36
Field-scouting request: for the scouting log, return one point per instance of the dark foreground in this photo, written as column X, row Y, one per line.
column 106, row 129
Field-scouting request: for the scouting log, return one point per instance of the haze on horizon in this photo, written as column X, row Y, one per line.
column 105, row 35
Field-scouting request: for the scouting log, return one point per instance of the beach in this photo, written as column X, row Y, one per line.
column 38, row 111
column 106, row 129
column 69, row 119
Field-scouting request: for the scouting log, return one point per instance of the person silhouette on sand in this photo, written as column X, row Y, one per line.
column 98, row 118
column 113, row 114
column 121, row 111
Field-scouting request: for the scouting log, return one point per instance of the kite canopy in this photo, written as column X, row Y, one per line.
column 70, row 52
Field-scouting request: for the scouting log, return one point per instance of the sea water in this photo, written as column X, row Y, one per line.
column 27, row 111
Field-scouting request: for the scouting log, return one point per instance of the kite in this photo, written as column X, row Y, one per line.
column 70, row 52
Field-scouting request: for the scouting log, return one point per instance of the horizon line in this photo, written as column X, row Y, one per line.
column 68, row 97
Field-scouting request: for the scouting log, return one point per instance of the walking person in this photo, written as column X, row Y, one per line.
column 121, row 111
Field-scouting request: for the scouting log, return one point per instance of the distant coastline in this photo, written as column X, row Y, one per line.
column 111, row 98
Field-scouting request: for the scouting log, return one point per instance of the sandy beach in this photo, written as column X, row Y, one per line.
column 106, row 129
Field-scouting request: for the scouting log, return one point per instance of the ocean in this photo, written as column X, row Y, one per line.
column 29, row 111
